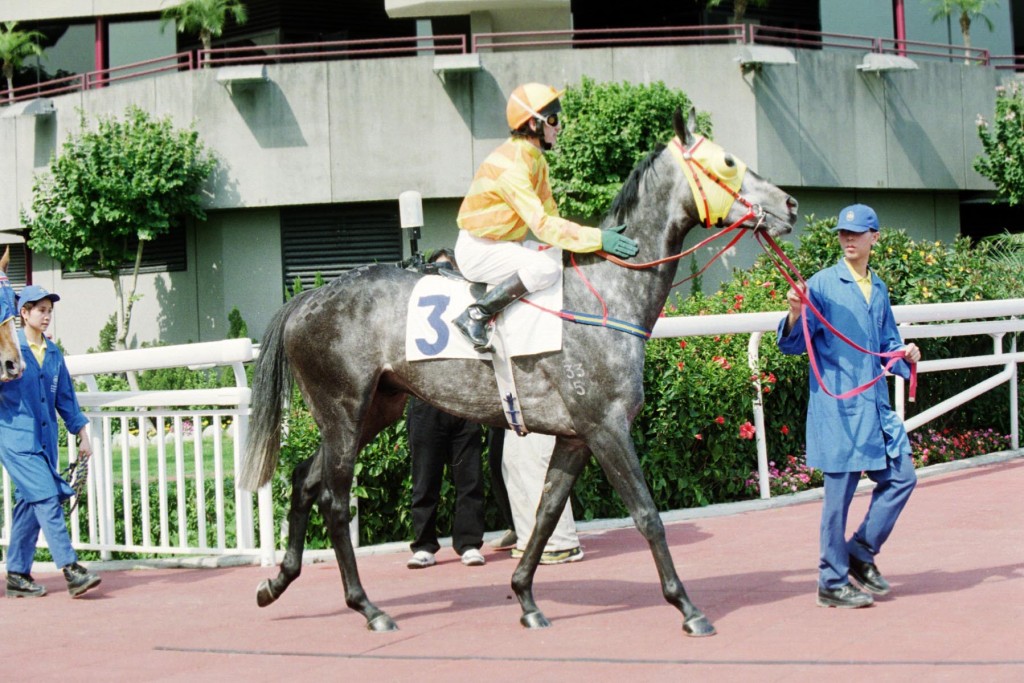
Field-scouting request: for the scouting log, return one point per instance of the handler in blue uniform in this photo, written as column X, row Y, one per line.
column 859, row 434
column 28, row 451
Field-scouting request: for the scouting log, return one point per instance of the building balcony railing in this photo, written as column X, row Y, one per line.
column 522, row 40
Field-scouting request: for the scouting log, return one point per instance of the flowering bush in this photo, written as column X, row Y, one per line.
column 928, row 447
column 789, row 476
column 934, row 446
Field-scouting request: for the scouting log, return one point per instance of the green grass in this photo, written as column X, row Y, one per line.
column 188, row 458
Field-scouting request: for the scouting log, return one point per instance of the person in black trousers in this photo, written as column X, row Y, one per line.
column 436, row 439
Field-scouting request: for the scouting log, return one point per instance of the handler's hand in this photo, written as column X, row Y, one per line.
column 84, row 444
column 793, row 299
column 912, row 353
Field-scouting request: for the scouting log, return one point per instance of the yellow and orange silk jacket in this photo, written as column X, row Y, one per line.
column 511, row 194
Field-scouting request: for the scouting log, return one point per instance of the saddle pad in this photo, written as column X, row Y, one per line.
column 526, row 330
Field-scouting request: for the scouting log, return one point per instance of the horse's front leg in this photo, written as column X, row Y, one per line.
column 616, row 454
column 305, row 489
column 334, row 504
column 567, row 461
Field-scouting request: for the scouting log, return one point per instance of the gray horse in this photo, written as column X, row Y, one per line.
column 344, row 345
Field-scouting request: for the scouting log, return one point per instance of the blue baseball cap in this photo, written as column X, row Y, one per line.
column 33, row 293
column 857, row 218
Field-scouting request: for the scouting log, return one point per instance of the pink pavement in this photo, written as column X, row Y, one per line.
column 956, row 562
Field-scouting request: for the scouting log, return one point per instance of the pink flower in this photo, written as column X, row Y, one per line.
column 699, row 437
column 747, row 430
column 720, row 420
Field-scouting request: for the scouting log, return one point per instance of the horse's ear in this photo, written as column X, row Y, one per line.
column 686, row 130
column 5, row 259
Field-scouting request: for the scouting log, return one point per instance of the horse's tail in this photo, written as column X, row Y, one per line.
column 271, row 386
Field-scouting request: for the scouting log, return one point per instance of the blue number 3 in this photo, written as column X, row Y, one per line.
column 438, row 304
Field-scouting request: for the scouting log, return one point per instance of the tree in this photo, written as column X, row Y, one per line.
column 110, row 192
column 739, row 7
column 968, row 10
column 15, row 46
column 205, row 17
column 1003, row 144
column 609, row 128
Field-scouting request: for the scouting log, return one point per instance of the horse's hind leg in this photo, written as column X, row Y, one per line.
column 305, row 489
column 567, row 461
column 615, row 452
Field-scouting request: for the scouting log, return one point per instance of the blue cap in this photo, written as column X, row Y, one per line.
column 33, row 293
column 857, row 218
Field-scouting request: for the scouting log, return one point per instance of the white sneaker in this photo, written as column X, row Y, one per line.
column 473, row 558
column 421, row 559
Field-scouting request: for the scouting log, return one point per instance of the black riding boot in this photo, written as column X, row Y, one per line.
column 472, row 322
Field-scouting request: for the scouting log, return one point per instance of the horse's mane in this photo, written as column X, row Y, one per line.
column 628, row 197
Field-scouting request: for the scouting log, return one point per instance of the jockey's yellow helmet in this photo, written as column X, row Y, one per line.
column 529, row 101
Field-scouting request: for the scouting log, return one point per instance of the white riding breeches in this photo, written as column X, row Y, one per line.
column 493, row 261
column 524, row 466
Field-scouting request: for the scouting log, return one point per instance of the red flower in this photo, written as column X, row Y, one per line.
column 682, row 343
column 784, row 430
column 680, row 365
column 720, row 420
column 747, row 430
column 699, row 437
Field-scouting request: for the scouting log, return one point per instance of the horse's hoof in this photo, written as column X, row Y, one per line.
column 264, row 594
column 381, row 623
column 698, row 627
column 534, row 620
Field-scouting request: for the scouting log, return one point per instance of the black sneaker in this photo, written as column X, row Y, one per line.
column 845, row 596
column 79, row 579
column 867, row 575
column 23, row 586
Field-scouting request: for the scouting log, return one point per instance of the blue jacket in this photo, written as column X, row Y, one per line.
column 855, row 434
column 28, row 423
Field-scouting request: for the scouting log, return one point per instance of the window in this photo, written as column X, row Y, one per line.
column 167, row 253
column 330, row 239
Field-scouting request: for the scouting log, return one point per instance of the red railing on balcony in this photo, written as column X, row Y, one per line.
column 371, row 47
column 182, row 61
column 611, row 37
column 492, row 42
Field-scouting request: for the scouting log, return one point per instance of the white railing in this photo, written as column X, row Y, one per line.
column 145, row 440
column 160, row 421
column 916, row 322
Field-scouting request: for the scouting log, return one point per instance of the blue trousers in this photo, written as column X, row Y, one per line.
column 893, row 487
column 26, row 521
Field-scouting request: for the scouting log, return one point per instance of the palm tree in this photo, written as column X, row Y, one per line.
column 205, row 17
column 15, row 46
column 739, row 7
column 968, row 10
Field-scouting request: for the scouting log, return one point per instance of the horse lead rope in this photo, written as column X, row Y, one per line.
column 779, row 257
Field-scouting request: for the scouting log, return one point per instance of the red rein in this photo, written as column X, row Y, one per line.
column 779, row 257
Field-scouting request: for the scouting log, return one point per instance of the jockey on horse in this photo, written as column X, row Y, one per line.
column 510, row 195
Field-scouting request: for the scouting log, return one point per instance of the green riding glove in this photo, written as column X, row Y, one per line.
column 619, row 245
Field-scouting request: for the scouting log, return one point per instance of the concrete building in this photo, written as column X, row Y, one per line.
column 312, row 159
